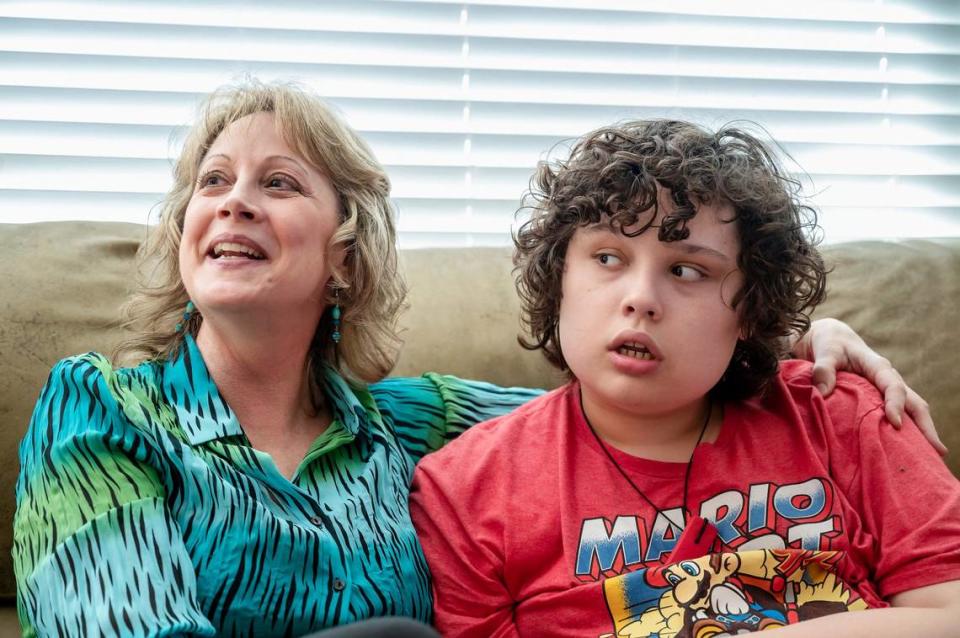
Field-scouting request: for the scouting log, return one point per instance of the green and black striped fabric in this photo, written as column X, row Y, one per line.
column 142, row 509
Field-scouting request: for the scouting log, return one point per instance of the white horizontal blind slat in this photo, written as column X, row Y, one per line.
column 491, row 53
column 460, row 100
column 890, row 11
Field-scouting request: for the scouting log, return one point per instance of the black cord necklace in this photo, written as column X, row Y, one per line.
column 686, row 476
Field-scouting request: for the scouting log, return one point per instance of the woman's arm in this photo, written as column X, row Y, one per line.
column 833, row 345
column 95, row 551
column 428, row 411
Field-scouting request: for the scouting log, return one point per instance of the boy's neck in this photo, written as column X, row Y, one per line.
column 668, row 436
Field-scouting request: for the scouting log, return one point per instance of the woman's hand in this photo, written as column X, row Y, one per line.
column 833, row 345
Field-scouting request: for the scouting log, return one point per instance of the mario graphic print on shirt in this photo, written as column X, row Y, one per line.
column 725, row 594
column 727, row 573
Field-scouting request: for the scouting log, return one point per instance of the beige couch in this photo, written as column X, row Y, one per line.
column 63, row 283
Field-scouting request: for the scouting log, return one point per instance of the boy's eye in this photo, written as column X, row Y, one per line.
column 687, row 273
column 607, row 259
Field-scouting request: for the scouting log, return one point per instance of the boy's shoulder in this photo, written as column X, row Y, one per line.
column 853, row 396
column 840, row 422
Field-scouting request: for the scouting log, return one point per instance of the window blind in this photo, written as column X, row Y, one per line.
column 460, row 100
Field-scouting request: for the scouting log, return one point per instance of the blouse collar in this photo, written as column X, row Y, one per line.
column 204, row 415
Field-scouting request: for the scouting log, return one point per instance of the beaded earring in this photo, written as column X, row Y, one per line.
column 188, row 312
column 335, row 316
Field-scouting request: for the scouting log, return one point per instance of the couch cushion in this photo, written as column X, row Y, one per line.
column 904, row 299
column 65, row 282
column 463, row 318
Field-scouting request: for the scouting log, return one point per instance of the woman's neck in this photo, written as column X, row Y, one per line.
column 266, row 383
column 666, row 436
column 263, row 379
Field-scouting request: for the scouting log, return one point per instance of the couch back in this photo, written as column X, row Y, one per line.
column 64, row 282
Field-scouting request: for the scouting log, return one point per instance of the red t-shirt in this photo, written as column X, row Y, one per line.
column 818, row 505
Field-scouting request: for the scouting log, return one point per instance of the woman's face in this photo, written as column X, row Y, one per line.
column 257, row 228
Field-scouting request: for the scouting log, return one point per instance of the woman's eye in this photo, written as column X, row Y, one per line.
column 687, row 273
column 606, row 259
column 282, row 181
column 210, row 179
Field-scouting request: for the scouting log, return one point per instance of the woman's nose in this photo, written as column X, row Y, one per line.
column 239, row 202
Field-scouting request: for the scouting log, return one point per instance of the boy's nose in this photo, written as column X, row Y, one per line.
column 643, row 299
column 650, row 311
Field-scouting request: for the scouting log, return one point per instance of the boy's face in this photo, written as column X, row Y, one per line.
column 645, row 325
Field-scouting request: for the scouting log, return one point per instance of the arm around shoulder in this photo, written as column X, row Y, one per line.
column 95, row 551
column 431, row 410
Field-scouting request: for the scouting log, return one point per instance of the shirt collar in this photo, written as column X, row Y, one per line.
column 204, row 415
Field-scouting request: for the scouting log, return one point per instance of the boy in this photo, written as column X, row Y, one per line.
column 682, row 483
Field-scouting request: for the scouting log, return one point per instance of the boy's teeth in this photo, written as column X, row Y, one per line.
column 635, row 351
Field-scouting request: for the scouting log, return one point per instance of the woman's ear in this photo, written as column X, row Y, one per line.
column 337, row 258
column 339, row 278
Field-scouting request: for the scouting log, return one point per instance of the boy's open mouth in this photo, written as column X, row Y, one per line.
column 635, row 350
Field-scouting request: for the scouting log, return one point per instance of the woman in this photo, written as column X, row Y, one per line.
column 145, row 508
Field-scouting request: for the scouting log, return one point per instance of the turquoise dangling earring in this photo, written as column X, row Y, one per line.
column 186, row 316
column 335, row 316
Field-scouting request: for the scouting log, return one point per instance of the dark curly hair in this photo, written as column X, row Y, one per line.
column 616, row 173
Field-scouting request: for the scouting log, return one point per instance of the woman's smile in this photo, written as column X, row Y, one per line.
column 259, row 209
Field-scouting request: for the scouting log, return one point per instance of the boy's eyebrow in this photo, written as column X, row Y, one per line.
column 683, row 246
column 599, row 229
column 696, row 249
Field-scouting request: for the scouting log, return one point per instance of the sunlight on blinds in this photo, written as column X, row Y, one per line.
column 460, row 100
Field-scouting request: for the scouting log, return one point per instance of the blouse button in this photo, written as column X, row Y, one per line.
column 316, row 520
column 338, row 585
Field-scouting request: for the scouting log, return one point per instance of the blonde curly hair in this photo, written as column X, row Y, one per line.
column 371, row 289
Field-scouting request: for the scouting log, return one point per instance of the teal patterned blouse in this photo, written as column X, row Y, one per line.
column 142, row 509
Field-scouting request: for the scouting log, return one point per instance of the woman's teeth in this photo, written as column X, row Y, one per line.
column 232, row 249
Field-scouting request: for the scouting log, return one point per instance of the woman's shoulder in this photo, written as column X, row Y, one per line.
column 86, row 392
column 89, row 373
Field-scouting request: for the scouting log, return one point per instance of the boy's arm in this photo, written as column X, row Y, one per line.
column 909, row 505
column 469, row 596
column 833, row 345
column 932, row 612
